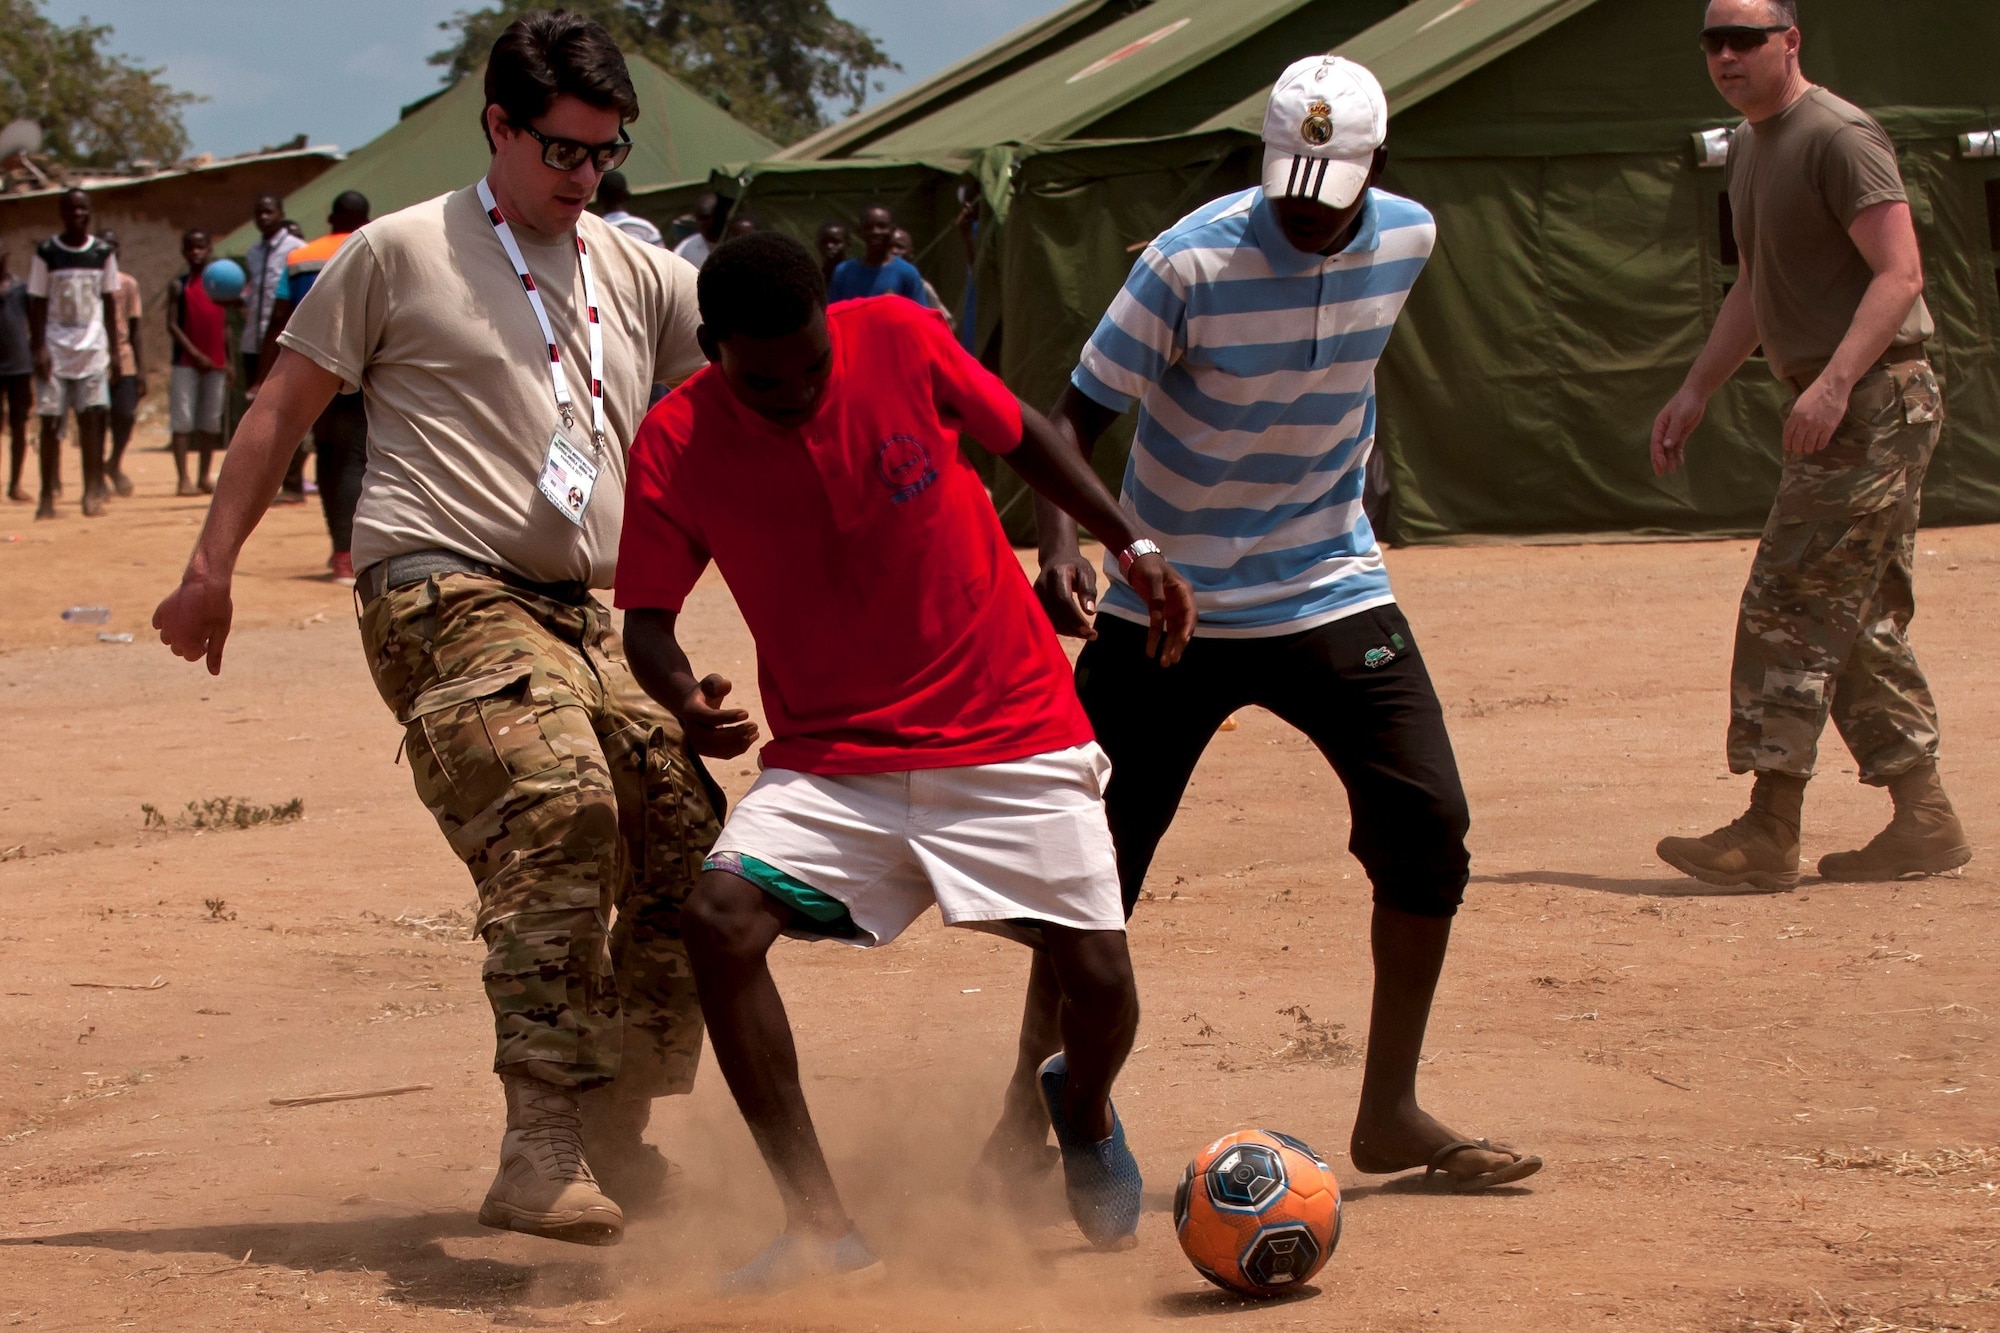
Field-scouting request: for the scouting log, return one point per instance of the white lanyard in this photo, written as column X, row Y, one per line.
column 556, row 376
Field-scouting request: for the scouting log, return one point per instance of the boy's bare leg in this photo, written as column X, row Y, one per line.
column 1391, row 1131
column 182, row 484
column 90, row 429
column 206, row 442
column 51, row 461
column 1099, row 1017
column 17, row 455
column 730, row 925
column 114, row 466
column 1020, row 1141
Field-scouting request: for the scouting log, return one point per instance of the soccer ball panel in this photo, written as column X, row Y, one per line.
column 1282, row 1256
column 1246, row 1178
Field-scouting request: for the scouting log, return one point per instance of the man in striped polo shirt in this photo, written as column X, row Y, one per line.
column 1247, row 335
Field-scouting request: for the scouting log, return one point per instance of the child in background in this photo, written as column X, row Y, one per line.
column 201, row 372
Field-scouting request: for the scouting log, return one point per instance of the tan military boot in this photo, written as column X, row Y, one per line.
column 544, row 1186
column 1759, row 852
column 1924, row 837
column 632, row 1171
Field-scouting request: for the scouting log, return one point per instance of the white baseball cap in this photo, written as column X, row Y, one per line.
column 1326, row 118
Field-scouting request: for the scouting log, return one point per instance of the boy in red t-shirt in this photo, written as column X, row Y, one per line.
column 198, row 383
column 927, row 743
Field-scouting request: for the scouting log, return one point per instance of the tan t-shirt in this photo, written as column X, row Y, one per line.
column 1796, row 183
column 126, row 301
column 421, row 309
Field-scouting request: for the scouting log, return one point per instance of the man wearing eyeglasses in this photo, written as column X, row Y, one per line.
column 505, row 342
column 1832, row 289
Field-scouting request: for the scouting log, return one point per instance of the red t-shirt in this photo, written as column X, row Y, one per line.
column 895, row 630
column 201, row 319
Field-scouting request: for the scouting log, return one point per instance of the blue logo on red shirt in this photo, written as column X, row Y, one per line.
column 906, row 468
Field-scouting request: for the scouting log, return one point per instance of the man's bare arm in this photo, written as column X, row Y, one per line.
column 1067, row 585
column 1729, row 345
column 661, row 667
column 38, row 335
column 194, row 619
column 1053, row 460
column 1887, row 239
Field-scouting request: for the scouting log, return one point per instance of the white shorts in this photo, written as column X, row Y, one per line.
column 997, row 847
column 194, row 400
column 58, row 394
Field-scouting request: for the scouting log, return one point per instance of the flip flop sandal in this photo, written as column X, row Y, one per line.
column 1519, row 1169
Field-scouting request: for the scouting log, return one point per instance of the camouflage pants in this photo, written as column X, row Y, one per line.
column 568, row 794
column 1824, row 627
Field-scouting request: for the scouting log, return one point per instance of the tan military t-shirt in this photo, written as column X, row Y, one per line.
column 1796, row 183
column 422, row 311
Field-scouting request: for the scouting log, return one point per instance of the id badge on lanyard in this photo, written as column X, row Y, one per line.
column 568, row 476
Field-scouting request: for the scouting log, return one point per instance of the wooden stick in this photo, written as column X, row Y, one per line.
column 155, row 984
column 319, row 1097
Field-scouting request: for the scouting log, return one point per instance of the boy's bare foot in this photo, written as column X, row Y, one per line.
column 1412, row 1140
column 47, row 508
column 206, row 486
column 123, row 484
column 185, row 487
column 20, row 497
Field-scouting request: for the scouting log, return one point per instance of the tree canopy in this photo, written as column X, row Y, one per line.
column 770, row 63
column 96, row 109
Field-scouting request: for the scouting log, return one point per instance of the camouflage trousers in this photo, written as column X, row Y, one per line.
column 569, row 795
column 1825, row 621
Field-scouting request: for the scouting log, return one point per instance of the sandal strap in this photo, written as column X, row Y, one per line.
column 1450, row 1150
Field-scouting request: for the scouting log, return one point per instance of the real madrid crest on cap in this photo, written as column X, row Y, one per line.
column 1318, row 127
column 1326, row 118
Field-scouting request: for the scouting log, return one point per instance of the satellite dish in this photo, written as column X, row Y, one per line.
column 20, row 136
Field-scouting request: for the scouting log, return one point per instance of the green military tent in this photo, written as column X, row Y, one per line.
column 1583, row 246
column 438, row 146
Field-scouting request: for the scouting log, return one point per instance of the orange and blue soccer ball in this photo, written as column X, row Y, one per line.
column 1257, row 1212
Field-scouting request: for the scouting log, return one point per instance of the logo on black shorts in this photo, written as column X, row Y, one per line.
column 906, row 468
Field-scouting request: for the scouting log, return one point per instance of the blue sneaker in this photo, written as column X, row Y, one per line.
column 791, row 1261
column 1101, row 1179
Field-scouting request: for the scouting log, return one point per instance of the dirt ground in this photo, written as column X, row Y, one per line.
column 1758, row 1113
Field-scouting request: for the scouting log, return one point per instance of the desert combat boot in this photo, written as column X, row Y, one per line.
column 1924, row 837
column 632, row 1171
column 544, row 1186
column 1759, row 852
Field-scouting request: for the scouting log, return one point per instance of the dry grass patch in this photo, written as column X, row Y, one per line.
column 1923, row 1316
column 1936, row 1166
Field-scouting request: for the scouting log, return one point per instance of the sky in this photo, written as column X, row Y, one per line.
column 339, row 71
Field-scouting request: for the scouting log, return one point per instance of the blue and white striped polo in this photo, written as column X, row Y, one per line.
column 1253, row 365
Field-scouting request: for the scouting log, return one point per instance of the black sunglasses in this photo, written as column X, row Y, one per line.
column 1738, row 38
column 569, row 154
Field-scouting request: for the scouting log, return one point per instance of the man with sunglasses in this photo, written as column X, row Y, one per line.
column 1832, row 289
column 505, row 342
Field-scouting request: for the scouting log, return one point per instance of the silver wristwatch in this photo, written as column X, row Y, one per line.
column 1130, row 555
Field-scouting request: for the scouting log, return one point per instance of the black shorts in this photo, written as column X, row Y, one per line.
column 124, row 400
column 1358, row 690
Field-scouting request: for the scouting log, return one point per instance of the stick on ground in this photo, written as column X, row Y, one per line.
column 319, row 1097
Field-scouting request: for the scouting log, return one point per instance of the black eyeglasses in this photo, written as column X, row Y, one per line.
column 569, row 154
column 1738, row 38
